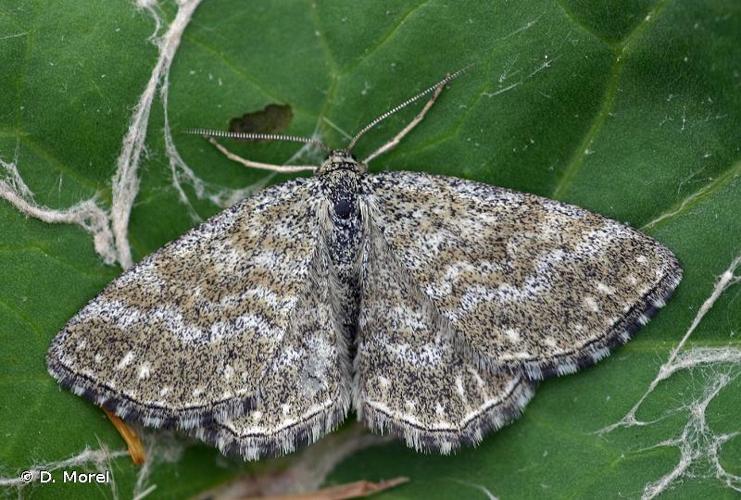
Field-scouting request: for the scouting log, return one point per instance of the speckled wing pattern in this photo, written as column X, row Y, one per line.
column 305, row 393
column 457, row 298
column 193, row 331
column 411, row 380
column 519, row 281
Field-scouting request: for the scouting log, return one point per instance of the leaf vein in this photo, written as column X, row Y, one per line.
column 386, row 37
column 588, row 29
column 577, row 158
column 693, row 199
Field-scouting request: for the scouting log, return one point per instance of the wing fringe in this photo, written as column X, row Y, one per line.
column 446, row 441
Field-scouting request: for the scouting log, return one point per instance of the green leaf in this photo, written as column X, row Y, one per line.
column 630, row 109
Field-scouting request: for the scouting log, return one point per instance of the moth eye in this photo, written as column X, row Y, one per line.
column 343, row 208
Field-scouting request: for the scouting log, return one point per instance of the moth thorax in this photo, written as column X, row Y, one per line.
column 344, row 231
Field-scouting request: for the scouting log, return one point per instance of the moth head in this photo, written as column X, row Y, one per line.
column 341, row 159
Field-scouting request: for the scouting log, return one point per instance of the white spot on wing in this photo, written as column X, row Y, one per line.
column 591, row 304
column 459, row 386
column 479, row 381
column 439, row 410
column 550, row 341
column 512, row 334
column 125, row 361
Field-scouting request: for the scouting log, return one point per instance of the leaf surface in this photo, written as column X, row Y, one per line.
column 630, row 109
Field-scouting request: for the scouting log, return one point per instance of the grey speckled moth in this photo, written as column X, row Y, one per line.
column 430, row 305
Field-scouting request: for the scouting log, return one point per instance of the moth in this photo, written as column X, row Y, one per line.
column 429, row 305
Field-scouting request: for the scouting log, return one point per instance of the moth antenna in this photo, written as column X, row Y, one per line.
column 252, row 136
column 404, row 104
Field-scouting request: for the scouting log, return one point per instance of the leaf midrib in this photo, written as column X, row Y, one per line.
column 620, row 53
